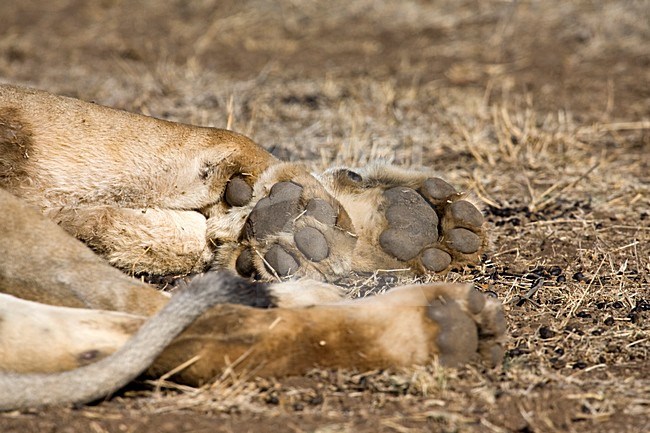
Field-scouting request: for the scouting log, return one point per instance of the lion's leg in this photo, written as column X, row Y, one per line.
column 409, row 325
column 72, row 159
column 406, row 220
column 152, row 241
column 96, row 380
column 37, row 338
column 58, row 152
column 39, row 261
column 74, row 337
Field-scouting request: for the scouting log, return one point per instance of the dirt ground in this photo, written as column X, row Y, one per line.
column 541, row 109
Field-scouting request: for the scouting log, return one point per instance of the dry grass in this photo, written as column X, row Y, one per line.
column 539, row 109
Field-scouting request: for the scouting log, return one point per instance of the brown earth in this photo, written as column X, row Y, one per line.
column 540, row 108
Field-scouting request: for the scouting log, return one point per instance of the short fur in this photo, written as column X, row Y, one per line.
column 148, row 196
column 103, row 377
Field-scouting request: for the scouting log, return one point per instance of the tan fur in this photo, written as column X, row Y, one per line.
column 148, row 197
column 75, row 336
column 40, row 262
column 78, row 162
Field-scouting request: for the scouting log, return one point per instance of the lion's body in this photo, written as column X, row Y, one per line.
column 158, row 198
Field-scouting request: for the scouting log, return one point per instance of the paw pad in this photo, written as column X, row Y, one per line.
column 435, row 260
column 458, row 336
column 376, row 219
column 431, row 228
column 322, row 211
column 311, row 243
column 466, row 214
column 469, row 323
column 244, row 264
column 412, row 224
column 463, row 240
column 281, row 261
column 238, row 192
column 437, row 191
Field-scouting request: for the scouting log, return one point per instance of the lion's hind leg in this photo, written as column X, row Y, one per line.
column 406, row 326
column 96, row 333
column 39, row 338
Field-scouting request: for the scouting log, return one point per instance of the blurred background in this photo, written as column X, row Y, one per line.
column 374, row 73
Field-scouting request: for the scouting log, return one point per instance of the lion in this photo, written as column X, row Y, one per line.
column 97, row 201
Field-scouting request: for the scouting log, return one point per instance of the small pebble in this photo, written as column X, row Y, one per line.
column 555, row 271
column 545, row 332
column 578, row 276
column 580, row 365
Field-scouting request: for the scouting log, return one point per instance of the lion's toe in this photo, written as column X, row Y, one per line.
column 238, row 192
column 435, row 260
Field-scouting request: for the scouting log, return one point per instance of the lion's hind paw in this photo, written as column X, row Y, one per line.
column 405, row 220
column 469, row 323
column 295, row 229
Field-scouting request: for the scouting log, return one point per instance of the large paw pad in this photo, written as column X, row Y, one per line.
column 432, row 228
column 412, row 224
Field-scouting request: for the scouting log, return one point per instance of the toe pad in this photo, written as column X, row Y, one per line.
column 238, row 192
column 311, row 243
column 412, row 224
column 436, row 260
column 280, row 261
column 466, row 214
column 463, row 240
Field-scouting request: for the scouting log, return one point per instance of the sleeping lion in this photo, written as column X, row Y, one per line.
column 97, row 201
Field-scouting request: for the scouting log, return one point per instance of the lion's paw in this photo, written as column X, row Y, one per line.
column 468, row 323
column 405, row 220
column 454, row 323
column 430, row 227
column 294, row 229
column 291, row 224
